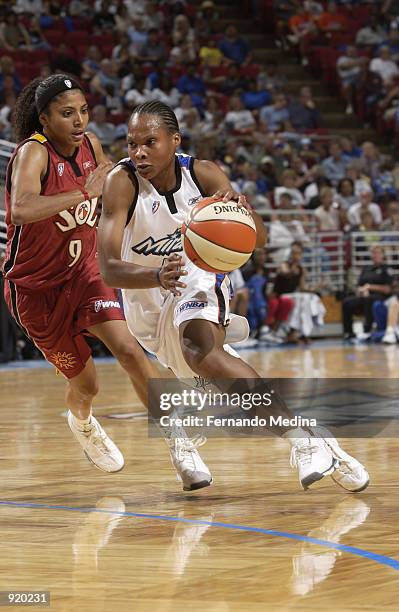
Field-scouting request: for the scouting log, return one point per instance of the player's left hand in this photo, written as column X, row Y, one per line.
column 229, row 194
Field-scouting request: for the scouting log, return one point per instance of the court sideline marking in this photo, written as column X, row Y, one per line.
column 359, row 552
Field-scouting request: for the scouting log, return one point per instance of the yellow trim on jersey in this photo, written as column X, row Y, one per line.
column 39, row 137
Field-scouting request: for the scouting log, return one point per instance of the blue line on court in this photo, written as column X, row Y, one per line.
column 359, row 552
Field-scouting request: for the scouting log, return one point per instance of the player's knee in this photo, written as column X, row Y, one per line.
column 87, row 389
column 201, row 360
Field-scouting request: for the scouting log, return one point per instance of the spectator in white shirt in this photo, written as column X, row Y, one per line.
column 238, row 118
column 366, row 203
column 384, row 66
column 288, row 186
column 328, row 215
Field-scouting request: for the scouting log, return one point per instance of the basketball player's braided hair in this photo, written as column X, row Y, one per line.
column 160, row 110
column 26, row 119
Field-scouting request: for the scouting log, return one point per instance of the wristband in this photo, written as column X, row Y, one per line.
column 159, row 278
column 85, row 194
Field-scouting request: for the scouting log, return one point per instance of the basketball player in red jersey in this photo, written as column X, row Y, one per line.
column 145, row 200
column 53, row 286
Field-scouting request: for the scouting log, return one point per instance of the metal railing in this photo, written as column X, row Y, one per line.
column 361, row 243
column 324, row 252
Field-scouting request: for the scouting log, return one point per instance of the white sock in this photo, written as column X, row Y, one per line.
column 81, row 424
column 389, row 329
column 293, row 434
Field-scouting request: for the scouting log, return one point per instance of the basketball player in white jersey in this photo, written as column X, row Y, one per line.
column 177, row 311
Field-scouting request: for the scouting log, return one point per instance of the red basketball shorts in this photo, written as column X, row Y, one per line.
column 56, row 319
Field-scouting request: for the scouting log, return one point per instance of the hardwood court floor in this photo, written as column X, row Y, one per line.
column 134, row 541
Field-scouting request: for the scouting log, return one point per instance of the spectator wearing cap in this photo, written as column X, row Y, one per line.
column 365, row 203
column 384, row 66
column 276, row 115
column 235, row 48
column 207, row 19
column 303, row 113
column 99, row 125
column 118, row 149
column 267, row 181
column 335, row 165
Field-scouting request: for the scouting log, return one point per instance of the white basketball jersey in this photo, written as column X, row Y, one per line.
column 152, row 233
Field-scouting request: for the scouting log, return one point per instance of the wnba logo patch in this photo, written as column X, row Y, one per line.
column 155, row 206
column 100, row 304
column 60, row 168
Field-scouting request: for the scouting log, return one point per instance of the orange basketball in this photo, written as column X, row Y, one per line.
column 218, row 236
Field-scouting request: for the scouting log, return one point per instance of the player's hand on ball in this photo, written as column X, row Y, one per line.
column 95, row 181
column 228, row 195
column 170, row 273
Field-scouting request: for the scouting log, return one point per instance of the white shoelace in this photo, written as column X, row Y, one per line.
column 302, row 454
column 186, row 448
column 97, row 438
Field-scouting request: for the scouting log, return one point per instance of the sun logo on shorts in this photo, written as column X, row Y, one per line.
column 63, row 361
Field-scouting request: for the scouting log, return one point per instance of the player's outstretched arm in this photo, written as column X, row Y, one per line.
column 29, row 168
column 118, row 195
column 214, row 182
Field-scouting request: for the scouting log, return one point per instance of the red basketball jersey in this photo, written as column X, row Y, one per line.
column 48, row 253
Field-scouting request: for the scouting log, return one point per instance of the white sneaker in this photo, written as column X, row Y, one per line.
column 190, row 468
column 350, row 474
column 97, row 446
column 389, row 337
column 270, row 338
column 313, row 458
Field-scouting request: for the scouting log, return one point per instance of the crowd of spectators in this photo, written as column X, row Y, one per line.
column 270, row 141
